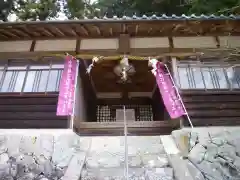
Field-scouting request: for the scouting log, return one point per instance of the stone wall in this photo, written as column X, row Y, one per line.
column 213, row 154
column 42, row 155
column 63, row 155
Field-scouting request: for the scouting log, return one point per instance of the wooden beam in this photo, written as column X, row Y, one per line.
column 124, row 44
column 110, row 52
column 135, row 124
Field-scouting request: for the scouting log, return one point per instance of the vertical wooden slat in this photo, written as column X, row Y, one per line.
column 78, row 45
column 33, row 46
column 124, row 44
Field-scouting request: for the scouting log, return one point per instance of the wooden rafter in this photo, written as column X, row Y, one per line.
column 9, row 33
column 97, row 30
column 149, row 30
column 74, row 30
column 4, row 36
column 111, row 31
column 124, row 28
column 21, row 33
column 83, row 29
column 136, row 29
column 47, row 32
column 29, row 31
column 58, row 31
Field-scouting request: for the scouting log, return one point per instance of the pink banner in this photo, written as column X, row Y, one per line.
column 67, row 87
column 168, row 91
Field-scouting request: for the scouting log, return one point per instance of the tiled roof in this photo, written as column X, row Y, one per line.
column 165, row 17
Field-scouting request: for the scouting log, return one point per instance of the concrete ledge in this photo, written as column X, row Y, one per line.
column 178, row 164
column 32, row 132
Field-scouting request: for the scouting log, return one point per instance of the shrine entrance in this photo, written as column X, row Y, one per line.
column 108, row 98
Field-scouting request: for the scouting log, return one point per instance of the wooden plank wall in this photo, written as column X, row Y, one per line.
column 30, row 111
column 212, row 108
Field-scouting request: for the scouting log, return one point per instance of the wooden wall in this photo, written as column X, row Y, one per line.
column 212, row 108
column 30, row 111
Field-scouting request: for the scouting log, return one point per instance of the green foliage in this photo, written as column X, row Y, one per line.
column 74, row 8
column 6, row 7
column 38, row 9
column 44, row 9
column 215, row 7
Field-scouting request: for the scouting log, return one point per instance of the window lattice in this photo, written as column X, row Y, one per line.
column 208, row 76
column 107, row 113
column 30, row 77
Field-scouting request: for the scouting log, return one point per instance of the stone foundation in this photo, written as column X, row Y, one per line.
column 212, row 153
column 63, row 155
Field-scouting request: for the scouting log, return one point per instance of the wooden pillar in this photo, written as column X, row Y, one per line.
column 84, row 97
column 175, row 78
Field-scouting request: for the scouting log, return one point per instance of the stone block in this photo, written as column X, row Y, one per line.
column 181, row 138
column 30, row 145
column 134, row 161
column 159, row 174
column 3, row 141
column 155, row 161
column 197, row 154
column 195, row 172
column 228, row 151
column 209, row 170
column 211, row 152
column 63, row 150
column 74, row 169
column 13, row 144
column 103, row 160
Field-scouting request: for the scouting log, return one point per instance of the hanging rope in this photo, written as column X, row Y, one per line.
column 125, row 143
column 118, row 57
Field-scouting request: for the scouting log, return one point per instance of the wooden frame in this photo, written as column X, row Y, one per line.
column 116, row 128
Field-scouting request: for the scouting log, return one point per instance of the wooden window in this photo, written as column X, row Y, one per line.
column 210, row 75
column 30, row 77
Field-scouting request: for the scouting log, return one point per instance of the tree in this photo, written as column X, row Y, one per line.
column 140, row 7
column 38, row 9
column 215, row 7
column 6, row 7
column 74, row 8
